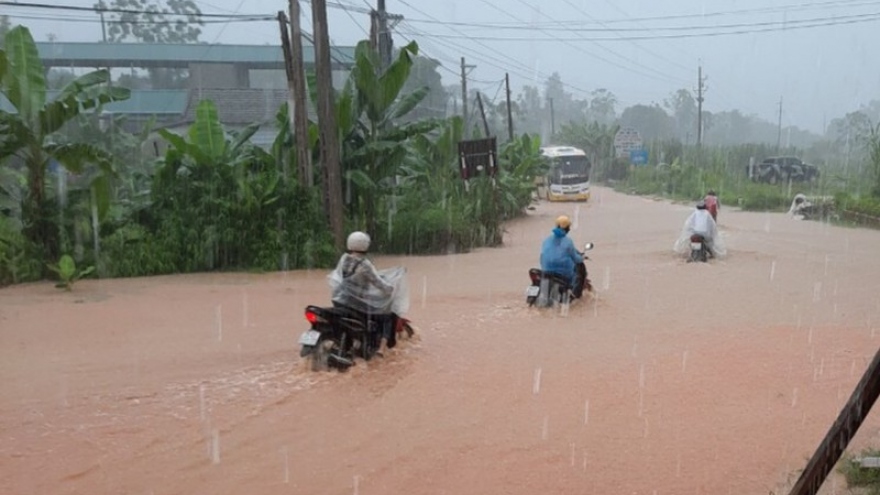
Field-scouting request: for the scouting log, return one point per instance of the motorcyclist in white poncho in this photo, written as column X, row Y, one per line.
column 700, row 222
column 382, row 295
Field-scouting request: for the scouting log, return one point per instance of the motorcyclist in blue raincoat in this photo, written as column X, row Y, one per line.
column 558, row 254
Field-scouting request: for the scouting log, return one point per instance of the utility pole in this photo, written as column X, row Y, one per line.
column 701, row 90
column 287, row 52
column 332, row 172
column 509, row 111
column 483, row 115
column 779, row 128
column 103, row 26
column 300, row 98
column 552, row 120
column 380, row 32
column 464, row 96
column 384, row 36
column 297, row 111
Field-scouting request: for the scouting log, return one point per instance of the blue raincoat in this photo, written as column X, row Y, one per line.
column 559, row 256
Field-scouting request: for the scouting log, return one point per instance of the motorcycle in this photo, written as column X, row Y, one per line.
column 550, row 288
column 699, row 250
column 338, row 335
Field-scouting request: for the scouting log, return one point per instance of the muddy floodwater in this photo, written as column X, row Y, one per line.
column 677, row 378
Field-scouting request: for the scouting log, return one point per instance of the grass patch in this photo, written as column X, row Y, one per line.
column 858, row 477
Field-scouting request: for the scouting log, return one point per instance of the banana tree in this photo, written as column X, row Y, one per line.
column 374, row 142
column 212, row 190
column 30, row 134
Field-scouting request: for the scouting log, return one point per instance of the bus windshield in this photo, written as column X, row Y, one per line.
column 569, row 170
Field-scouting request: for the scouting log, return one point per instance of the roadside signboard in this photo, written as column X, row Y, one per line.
column 638, row 157
column 626, row 140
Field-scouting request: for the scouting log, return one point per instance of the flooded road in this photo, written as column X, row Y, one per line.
column 679, row 378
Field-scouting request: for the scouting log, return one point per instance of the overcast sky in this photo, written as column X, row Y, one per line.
column 820, row 71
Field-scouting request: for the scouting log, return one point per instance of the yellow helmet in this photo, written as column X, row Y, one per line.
column 563, row 222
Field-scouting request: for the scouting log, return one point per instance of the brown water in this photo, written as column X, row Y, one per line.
column 678, row 379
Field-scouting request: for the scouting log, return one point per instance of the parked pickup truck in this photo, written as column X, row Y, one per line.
column 782, row 169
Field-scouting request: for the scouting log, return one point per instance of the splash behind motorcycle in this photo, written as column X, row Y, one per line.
column 550, row 288
column 358, row 318
column 338, row 335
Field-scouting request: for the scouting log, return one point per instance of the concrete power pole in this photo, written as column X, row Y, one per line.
column 301, row 99
column 464, row 97
column 701, row 90
column 509, row 110
column 483, row 115
column 385, row 42
column 779, row 128
column 297, row 87
column 381, row 24
column 332, row 171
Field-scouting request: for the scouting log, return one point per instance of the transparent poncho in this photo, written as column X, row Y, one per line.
column 357, row 284
column 703, row 224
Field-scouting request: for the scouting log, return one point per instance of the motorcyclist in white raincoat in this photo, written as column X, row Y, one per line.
column 700, row 222
column 381, row 295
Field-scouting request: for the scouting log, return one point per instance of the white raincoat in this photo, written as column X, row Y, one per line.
column 700, row 222
column 799, row 203
column 355, row 283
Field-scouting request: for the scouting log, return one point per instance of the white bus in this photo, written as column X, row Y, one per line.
column 568, row 178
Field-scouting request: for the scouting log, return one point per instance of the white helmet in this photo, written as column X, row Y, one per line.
column 358, row 242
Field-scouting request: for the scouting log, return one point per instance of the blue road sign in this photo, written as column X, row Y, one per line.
column 638, row 157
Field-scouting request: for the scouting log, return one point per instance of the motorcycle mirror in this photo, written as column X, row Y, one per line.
column 588, row 246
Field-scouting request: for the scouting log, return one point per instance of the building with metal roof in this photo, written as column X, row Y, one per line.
column 177, row 55
column 247, row 83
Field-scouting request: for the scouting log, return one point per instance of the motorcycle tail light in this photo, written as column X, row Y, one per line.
column 313, row 317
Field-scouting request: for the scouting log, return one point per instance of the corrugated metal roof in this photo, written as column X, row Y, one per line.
column 176, row 55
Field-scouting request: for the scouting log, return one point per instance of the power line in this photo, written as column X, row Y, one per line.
column 74, row 8
column 444, row 58
column 515, row 69
column 580, row 22
column 606, row 49
column 139, row 22
column 511, row 60
column 865, row 18
column 480, row 56
column 350, row 16
column 720, row 26
column 484, row 57
column 220, row 33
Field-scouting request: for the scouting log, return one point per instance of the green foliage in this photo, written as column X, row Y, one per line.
column 68, row 273
column 866, row 206
column 857, row 476
column 154, row 26
column 218, row 203
column 431, row 210
column 374, row 139
column 215, row 201
column 30, row 132
column 686, row 181
column 873, row 146
column 17, row 261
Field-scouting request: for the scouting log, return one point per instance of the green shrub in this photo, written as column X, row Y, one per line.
column 17, row 260
column 857, row 476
